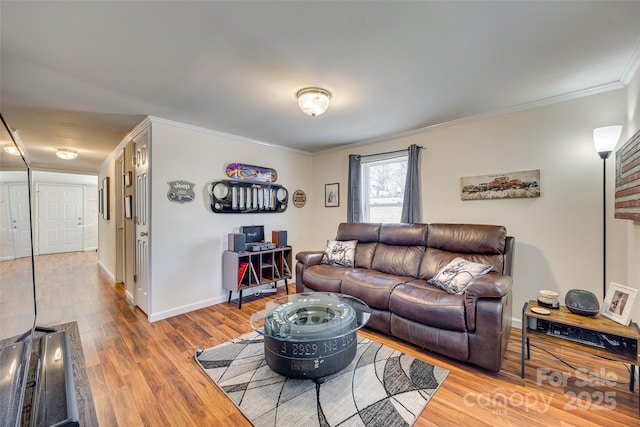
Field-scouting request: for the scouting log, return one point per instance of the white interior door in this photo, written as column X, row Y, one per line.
column 141, row 214
column 20, row 225
column 60, row 219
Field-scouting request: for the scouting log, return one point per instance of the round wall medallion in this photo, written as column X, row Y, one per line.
column 299, row 198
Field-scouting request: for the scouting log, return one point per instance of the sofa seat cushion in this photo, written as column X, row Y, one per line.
column 324, row 277
column 449, row 343
column 372, row 287
column 427, row 304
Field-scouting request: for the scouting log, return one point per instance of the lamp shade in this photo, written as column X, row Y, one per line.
column 605, row 139
column 313, row 100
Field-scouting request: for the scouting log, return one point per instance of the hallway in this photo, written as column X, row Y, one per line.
column 141, row 373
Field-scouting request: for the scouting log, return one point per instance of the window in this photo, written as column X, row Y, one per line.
column 383, row 188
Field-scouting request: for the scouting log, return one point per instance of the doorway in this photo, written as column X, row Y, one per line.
column 60, row 218
column 20, row 224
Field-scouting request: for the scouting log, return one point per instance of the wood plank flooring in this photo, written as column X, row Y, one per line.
column 144, row 374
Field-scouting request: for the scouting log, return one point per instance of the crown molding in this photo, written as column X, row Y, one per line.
column 526, row 106
column 225, row 135
column 632, row 66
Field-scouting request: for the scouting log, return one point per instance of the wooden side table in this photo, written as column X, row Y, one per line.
column 596, row 335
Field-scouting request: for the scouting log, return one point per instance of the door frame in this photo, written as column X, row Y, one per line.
column 36, row 212
column 119, row 220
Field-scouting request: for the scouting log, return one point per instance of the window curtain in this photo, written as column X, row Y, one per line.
column 354, row 207
column 412, row 204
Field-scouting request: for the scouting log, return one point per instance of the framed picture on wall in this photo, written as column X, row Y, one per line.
column 618, row 303
column 127, row 207
column 105, row 198
column 126, row 179
column 332, row 195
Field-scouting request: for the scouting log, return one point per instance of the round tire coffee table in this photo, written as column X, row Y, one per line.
column 310, row 335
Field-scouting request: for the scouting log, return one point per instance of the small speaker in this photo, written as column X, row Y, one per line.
column 533, row 323
column 279, row 237
column 237, row 242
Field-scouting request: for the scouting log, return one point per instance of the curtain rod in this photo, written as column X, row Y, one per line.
column 386, row 152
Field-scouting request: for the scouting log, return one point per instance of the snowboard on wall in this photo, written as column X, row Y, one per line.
column 251, row 173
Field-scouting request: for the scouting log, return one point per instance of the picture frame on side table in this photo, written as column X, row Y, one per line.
column 618, row 303
column 332, row 195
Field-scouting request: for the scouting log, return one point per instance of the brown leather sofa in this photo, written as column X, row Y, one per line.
column 392, row 264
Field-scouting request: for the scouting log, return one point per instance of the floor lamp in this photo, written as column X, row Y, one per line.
column 605, row 140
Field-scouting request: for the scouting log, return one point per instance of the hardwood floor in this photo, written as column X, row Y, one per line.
column 144, row 374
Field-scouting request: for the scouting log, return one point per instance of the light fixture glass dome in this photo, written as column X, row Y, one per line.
column 12, row 150
column 66, row 153
column 313, row 100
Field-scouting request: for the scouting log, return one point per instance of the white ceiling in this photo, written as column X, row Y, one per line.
column 83, row 74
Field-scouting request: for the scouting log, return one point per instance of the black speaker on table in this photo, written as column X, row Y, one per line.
column 279, row 237
column 237, row 242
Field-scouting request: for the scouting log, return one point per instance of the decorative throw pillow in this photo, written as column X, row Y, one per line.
column 340, row 252
column 455, row 276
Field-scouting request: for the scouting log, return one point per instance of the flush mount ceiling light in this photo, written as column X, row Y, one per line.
column 66, row 153
column 11, row 149
column 313, row 100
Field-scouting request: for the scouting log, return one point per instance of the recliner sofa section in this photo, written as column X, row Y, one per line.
column 391, row 269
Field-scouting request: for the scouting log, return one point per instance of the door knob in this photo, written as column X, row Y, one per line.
column 143, row 234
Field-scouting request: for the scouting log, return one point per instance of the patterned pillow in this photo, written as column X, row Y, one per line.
column 455, row 276
column 340, row 253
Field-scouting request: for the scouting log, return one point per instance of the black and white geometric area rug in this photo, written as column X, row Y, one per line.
column 381, row 387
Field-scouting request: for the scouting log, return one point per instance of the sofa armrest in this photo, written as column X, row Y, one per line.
column 491, row 286
column 309, row 258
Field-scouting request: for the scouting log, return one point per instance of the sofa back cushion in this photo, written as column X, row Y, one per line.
column 400, row 249
column 483, row 244
column 367, row 237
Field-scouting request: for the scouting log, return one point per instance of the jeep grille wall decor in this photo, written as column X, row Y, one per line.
column 229, row 196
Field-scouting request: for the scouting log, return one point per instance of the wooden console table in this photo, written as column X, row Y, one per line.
column 596, row 335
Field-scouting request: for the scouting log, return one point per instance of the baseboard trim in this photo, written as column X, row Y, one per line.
column 128, row 298
column 106, row 271
column 516, row 323
column 154, row 317
column 198, row 305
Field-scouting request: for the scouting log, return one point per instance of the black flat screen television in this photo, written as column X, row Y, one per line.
column 17, row 285
column 253, row 233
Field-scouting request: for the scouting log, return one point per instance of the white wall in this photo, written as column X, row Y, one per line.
column 107, row 228
column 187, row 240
column 558, row 235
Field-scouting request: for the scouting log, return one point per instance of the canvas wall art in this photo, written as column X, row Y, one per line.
column 509, row 185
